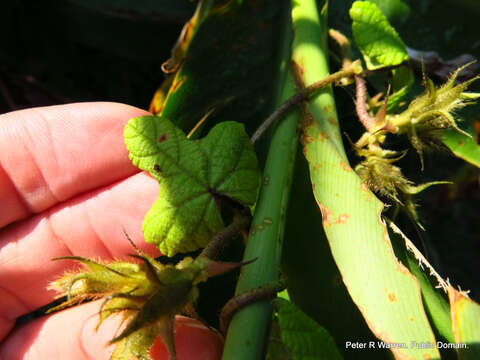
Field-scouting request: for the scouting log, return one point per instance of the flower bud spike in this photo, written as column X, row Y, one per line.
column 151, row 268
column 417, row 144
column 382, row 112
column 451, row 81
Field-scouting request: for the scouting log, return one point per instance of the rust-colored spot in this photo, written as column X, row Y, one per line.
column 156, row 167
column 411, row 319
column 326, row 214
column 307, row 139
column 345, row 166
column 176, row 83
column 317, row 166
column 427, row 357
column 322, row 136
column 460, row 143
column 308, row 119
column 163, row 138
column 476, row 129
column 332, row 120
column 342, row 218
column 392, row 297
column 327, row 108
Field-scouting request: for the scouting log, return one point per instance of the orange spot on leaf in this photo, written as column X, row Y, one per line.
column 345, row 166
column 327, row 109
column 317, row 166
column 392, row 297
column 307, row 139
column 326, row 214
column 342, row 218
column 322, row 136
column 332, row 120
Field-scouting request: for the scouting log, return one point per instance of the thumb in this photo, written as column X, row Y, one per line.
column 70, row 334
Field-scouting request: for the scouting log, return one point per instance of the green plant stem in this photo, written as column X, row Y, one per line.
column 249, row 326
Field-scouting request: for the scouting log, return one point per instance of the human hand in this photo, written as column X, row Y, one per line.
column 67, row 187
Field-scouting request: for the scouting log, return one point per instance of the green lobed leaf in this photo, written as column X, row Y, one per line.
column 193, row 176
column 377, row 40
column 302, row 336
column 465, row 315
column 463, row 146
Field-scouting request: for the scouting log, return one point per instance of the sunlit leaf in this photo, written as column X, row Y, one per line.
column 194, row 175
column 377, row 40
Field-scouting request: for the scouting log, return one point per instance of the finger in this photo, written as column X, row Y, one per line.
column 70, row 334
column 50, row 154
column 89, row 225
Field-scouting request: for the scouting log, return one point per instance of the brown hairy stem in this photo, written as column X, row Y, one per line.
column 240, row 301
column 301, row 96
column 214, row 247
column 361, row 104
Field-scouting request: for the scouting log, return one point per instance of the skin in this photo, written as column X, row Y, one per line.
column 67, row 187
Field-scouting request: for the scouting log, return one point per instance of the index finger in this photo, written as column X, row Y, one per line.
column 51, row 154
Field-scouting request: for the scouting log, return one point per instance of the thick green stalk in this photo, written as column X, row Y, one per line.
column 249, row 326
